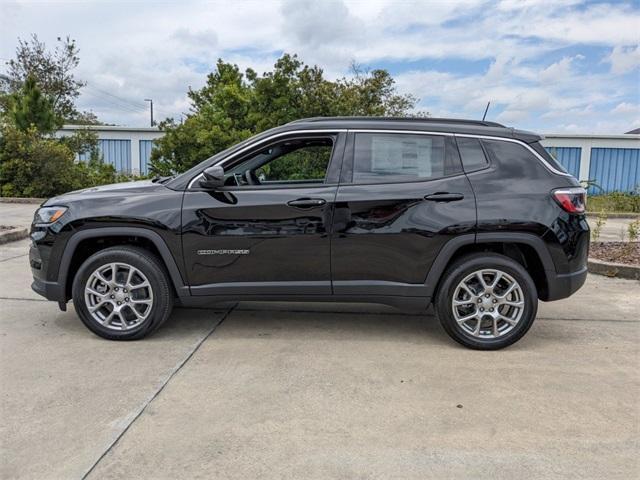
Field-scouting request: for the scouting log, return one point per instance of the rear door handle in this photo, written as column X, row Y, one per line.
column 305, row 203
column 444, row 197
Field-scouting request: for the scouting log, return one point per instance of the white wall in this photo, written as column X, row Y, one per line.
column 119, row 133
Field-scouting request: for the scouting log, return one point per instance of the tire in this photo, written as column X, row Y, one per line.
column 149, row 294
column 503, row 319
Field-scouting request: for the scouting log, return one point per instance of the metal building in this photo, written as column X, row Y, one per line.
column 126, row 148
column 612, row 162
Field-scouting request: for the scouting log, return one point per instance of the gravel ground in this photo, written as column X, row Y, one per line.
column 618, row 252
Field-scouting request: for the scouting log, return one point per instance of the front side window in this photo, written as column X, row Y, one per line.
column 382, row 158
column 288, row 162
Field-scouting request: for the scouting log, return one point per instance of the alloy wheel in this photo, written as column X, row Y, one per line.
column 488, row 303
column 118, row 296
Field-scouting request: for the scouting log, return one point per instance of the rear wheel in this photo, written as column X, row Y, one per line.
column 486, row 301
column 122, row 293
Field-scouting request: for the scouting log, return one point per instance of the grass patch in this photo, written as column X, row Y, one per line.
column 614, row 202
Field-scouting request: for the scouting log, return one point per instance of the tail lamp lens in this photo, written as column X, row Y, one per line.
column 572, row 200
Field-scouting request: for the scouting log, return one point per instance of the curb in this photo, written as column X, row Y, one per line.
column 13, row 235
column 610, row 269
column 630, row 216
column 21, row 200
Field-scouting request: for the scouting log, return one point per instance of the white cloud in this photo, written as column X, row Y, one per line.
column 624, row 59
column 626, row 107
column 157, row 50
column 556, row 71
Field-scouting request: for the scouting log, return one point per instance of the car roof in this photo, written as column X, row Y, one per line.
column 448, row 125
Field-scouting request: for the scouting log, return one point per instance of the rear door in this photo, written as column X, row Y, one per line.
column 402, row 196
column 267, row 231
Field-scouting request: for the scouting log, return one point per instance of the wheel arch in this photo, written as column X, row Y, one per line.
column 69, row 262
column 525, row 248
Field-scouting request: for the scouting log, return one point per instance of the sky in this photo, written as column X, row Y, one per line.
column 563, row 66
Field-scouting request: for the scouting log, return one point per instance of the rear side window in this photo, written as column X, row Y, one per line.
column 382, row 158
column 471, row 153
column 551, row 159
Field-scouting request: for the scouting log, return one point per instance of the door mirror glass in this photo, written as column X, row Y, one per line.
column 212, row 177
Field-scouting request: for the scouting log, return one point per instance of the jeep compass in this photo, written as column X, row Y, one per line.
column 470, row 216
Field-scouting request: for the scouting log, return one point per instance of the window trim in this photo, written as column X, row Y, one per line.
column 373, row 130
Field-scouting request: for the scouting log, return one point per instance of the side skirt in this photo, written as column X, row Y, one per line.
column 408, row 304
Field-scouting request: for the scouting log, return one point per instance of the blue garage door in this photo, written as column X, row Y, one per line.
column 145, row 154
column 615, row 169
column 115, row 152
column 569, row 158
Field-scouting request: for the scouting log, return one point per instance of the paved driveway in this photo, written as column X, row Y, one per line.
column 317, row 391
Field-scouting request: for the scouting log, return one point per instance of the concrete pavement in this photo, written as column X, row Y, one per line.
column 318, row 391
column 17, row 214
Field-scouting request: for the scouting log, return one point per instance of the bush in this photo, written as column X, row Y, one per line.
column 32, row 165
column 614, row 202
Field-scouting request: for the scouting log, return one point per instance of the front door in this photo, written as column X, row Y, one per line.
column 267, row 230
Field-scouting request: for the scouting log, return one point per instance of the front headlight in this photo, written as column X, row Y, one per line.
column 48, row 214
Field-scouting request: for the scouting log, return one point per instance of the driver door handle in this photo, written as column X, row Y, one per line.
column 307, row 202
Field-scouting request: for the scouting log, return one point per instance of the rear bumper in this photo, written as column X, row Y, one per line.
column 564, row 285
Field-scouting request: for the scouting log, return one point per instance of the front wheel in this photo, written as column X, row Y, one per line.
column 486, row 301
column 122, row 293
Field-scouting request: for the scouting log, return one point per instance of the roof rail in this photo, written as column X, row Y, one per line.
column 460, row 121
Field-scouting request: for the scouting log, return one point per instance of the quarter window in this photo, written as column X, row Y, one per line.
column 471, row 152
column 382, row 158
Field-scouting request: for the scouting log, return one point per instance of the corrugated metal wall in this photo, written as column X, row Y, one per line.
column 115, row 152
column 145, row 153
column 615, row 169
column 569, row 158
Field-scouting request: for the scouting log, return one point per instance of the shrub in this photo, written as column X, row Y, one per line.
column 32, row 165
column 614, row 202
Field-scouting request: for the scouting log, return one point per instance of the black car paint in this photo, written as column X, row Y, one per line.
column 389, row 248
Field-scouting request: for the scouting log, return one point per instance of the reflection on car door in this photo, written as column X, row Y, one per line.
column 261, row 239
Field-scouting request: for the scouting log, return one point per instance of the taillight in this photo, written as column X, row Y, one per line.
column 571, row 200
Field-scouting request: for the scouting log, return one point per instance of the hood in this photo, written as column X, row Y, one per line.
column 105, row 190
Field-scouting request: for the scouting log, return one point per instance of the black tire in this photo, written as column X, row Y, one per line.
column 150, row 266
column 465, row 266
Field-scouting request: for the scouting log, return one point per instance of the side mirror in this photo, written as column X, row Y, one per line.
column 213, row 177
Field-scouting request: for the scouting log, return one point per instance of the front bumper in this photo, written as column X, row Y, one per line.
column 564, row 285
column 51, row 290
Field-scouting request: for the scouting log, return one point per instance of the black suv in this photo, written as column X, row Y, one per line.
column 471, row 216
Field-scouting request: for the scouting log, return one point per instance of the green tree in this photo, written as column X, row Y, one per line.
column 28, row 108
column 233, row 106
column 52, row 70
